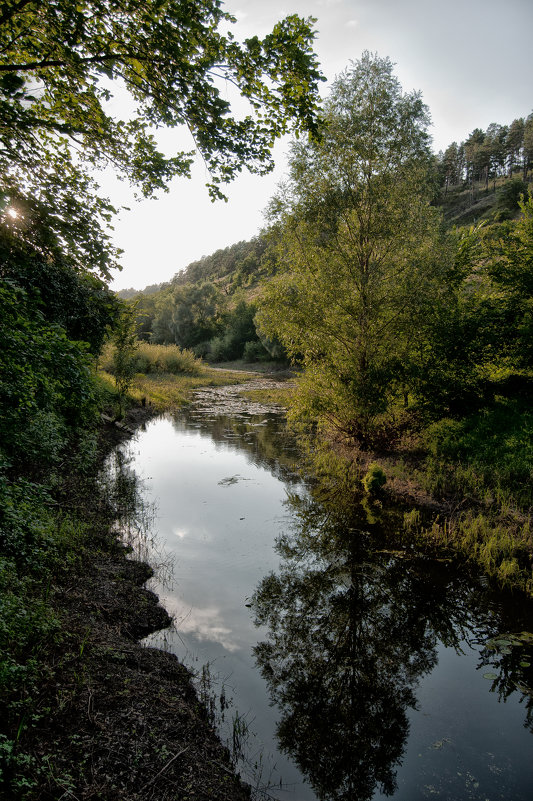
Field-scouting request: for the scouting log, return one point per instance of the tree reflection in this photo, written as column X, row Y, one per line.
column 351, row 631
column 508, row 661
column 263, row 438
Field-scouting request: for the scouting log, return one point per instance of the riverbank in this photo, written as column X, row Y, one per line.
column 93, row 714
column 87, row 712
column 466, row 484
column 467, row 492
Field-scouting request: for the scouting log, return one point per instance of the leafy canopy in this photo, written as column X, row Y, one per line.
column 62, row 63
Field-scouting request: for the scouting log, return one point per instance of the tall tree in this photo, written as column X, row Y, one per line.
column 451, row 166
column 359, row 248
column 476, row 156
column 515, row 141
column 494, row 146
column 528, row 145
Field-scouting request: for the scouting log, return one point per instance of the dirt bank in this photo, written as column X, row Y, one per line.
column 116, row 721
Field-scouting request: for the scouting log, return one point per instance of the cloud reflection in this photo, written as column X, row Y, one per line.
column 206, row 625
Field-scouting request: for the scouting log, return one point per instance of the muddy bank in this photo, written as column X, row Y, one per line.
column 127, row 723
column 114, row 720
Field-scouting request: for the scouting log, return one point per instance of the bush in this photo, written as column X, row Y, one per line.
column 374, row 479
column 255, row 352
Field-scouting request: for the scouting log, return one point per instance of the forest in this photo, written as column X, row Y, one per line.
column 397, row 284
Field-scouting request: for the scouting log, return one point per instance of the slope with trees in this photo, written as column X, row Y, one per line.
column 474, row 176
column 210, row 306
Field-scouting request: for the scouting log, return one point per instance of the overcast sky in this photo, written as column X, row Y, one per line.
column 471, row 59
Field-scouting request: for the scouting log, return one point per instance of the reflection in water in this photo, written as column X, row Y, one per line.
column 353, row 627
column 266, row 443
column 373, row 654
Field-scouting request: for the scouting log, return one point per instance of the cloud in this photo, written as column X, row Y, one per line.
column 352, row 23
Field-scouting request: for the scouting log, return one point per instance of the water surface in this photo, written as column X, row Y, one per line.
column 345, row 663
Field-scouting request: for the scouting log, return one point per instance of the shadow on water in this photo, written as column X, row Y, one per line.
column 266, row 443
column 355, row 622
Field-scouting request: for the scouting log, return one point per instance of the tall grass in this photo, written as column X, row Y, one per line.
column 150, row 359
column 487, row 458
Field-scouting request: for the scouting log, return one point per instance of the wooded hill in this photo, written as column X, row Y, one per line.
column 211, row 304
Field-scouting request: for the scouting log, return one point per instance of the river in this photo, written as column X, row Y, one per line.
column 338, row 661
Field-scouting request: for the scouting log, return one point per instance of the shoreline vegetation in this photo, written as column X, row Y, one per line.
column 87, row 711
column 456, row 480
column 412, row 337
column 95, row 714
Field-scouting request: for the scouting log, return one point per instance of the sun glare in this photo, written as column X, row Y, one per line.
column 13, row 213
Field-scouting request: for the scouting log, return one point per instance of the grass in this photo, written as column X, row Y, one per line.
column 164, row 390
column 501, row 545
column 471, row 481
column 276, row 395
column 487, row 457
column 157, row 359
column 485, row 464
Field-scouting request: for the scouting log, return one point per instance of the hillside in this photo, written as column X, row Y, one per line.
column 210, row 306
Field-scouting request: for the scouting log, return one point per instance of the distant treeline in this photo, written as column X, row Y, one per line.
column 209, row 307
column 501, row 150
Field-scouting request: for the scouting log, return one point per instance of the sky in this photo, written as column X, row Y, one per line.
column 469, row 58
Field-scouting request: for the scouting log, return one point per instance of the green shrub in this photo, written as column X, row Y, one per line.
column 255, row 352
column 374, row 479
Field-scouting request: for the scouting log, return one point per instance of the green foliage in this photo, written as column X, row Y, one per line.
column 241, row 263
column 509, row 196
column 76, row 300
column 61, row 62
column 239, row 336
column 255, row 351
column 188, row 315
column 125, row 346
column 494, row 154
column 374, row 479
column 486, row 456
column 362, row 253
column 46, row 386
column 500, row 546
column 166, row 359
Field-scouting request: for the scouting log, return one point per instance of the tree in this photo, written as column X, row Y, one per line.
column 359, row 248
column 451, row 166
column 514, row 143
column 63, row 62
column 506, row 257
column 188, row 314
column 477, row 157
column 494, row 147
column 528, row 145
column 76, row 300
column 125, row 345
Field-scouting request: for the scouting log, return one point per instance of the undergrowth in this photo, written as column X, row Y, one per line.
column 157, row 359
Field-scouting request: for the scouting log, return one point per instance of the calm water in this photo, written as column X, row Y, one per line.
column 341, row 663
